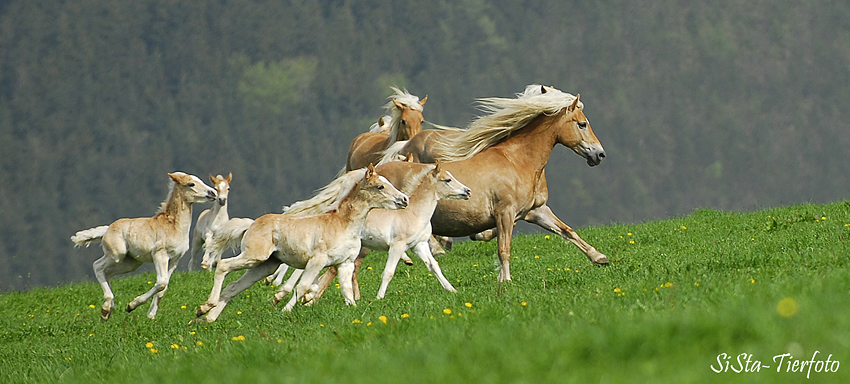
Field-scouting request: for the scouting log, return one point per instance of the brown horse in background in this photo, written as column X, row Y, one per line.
column 502, row 157
column 406, row 118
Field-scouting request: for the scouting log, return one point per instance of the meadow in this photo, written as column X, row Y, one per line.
column 678, row 294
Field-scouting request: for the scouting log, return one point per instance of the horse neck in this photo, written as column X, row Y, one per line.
column 178, row 211
column 423, row 198
column 219, row 212
column 533, row 143
column 352, row 211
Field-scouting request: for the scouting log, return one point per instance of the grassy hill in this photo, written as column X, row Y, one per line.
column 678, row 294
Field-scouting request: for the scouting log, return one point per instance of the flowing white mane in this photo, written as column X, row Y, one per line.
column 504, row 117
column 404, row 98
column 171, row 187
column 328, row 197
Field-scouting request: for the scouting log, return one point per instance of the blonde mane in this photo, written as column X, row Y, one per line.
column 404, row 98
column 504, row 117
column 328, row 197
column 163, row 207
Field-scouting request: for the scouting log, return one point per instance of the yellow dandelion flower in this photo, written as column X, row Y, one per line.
column 618, row 290
column 383, row 319
column 696, row 283
column 31, row 315
column 474, row 265
column 621, row 236
column 238, row 312
column 523, row 304
column 149, row 345
column 369, row 324
column 91, row 306
column 149, row 283
column 192, row 333
column 369, row 268
column 629, row 234
column 175, row 346
column 787, row 307
column 546, row 237
column 405, row 315
column 279, row 341
column 847, row 225
column 153, row 350
column 631, row 241
column 238, row 338
column 536, row 256
column 447, row 311
column 200, row 343
column 668, row 284
column 91, row 334
column 684, row 227
column 321, row 325
column 468, row 304
column 182, row 307
column 752, row 281
column 823, row 217
column 356, row 321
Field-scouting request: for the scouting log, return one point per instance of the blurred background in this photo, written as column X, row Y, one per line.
column 732, row 105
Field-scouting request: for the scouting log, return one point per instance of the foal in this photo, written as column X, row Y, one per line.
column 162, row 240
column 212, row 218
column 307, row 242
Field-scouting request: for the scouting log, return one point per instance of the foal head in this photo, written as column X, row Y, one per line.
column 222, row 187
column 191, row 188
column 379, row 192
column 575, row 133
column 447, row 187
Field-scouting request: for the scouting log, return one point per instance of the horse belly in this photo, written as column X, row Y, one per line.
column 452, row 219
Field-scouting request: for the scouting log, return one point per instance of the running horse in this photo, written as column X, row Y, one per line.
column 502, row 156
column 405, row 111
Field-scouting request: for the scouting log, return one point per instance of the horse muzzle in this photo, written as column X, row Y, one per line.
column 594, row 155
column 222, row 201
column 401, row 202
column 211, row 195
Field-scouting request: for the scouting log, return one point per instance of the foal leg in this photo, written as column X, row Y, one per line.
column 307, row 287
column 394, row 255
column 423, row 251
column 346, row 270
column 250, row 277
column 505, row 226
column 160, row 263
column 543, row 217
column 225, row 266
column 357, row 262
column 172, row 265
column 104, row 269
column 276, row 278
column 287, row 288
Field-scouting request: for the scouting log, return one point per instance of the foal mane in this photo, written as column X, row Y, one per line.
column 328, row 197
column 163, row 207
column 504, row 117
column 404, row 98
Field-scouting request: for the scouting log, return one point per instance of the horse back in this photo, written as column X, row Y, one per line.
column 366, row 148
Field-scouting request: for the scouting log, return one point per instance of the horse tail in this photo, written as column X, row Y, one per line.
column 88, row 236
column 227, row 235
column 392, row 153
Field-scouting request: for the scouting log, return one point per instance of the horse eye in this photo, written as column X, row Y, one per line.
column 190, row 185
column 380, row 187
column 403, row 122
column 582, row 124
column 447, row 181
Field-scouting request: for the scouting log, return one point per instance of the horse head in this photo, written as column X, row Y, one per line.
column 447, row 186
column 409, row 119
column 575, row 133
column 380, row 193
column 192, row 188
column 222, row 186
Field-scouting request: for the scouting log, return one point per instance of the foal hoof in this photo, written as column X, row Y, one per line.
column 130, row 308
column 104, row 315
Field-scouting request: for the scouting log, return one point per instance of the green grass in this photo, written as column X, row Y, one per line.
column 677, row 294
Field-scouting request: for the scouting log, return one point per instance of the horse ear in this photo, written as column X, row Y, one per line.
column 229, row 177
column 575, row 103
column 370, row 171
column 398, row 104
column 409, row 158
column 381, row 121
column 212, row 178
column 542, row 89
column 173, row 176
column 437, row 168
column 422, row 102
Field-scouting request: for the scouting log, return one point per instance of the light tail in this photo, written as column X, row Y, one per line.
column 228, row 235
column 88, row 236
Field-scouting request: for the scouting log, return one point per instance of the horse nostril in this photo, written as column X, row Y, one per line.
column 602, row 155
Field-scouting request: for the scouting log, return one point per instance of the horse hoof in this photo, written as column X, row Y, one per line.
column 601, row 260
column 130, row 308
column 104, row 315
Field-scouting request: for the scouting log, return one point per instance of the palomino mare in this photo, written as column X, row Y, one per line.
column 502, row 157
column 162, row 240
column 396, row 231
column 212, row 218
column 405, row 112
column 310, row 242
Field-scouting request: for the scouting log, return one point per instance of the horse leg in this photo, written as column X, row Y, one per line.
column 325, row 282
column 505, row 226
column 435, row 245
column 423, row 251
column 357, row 262
column 160, row 263
column 197, row 243
column 104, row 269
column 307, row 287
column 225, row 266
column 172, row 265
column 287, row 288
column 346, row 270
column 276, row 278
column 543, row 217
column 248, row 279
column 394, row 255
column 487, row 235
